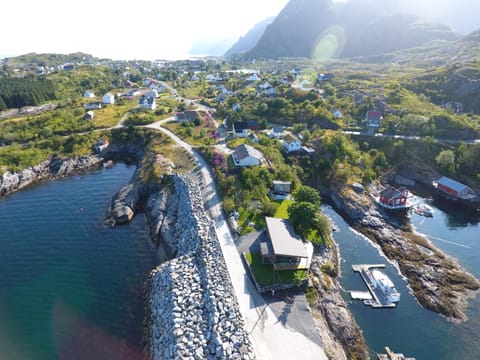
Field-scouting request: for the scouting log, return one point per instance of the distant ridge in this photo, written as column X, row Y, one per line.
column 473, row 36
column 311, row 28
column 250, row 39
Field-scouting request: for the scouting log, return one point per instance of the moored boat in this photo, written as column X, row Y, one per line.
column 424, row 210
column 386, row 286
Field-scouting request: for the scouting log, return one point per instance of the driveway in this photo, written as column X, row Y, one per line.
column 289, row 306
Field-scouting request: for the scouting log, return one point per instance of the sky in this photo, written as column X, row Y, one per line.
column 141, row 29
column 163, row 29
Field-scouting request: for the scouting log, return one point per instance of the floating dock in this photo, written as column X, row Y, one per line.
column 376, row 298
column 390, row 355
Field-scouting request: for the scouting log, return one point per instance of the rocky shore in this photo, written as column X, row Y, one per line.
column 438, row 282
column 341, row 334
column 52, row 168
column 192, row 311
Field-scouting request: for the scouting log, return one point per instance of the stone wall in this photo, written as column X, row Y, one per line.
column 192, row 310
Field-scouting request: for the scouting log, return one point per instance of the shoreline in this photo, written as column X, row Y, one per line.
column 438, row 282
column 49, row 169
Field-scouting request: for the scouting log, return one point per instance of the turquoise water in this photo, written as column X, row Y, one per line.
column 409, row 328
column 71, row 287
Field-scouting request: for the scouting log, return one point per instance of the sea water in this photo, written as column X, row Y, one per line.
column 409, row 328
column 72, row 287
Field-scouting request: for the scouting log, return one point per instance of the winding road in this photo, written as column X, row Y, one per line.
column 272, row 337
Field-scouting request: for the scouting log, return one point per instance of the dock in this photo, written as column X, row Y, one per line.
column 390, row 355
column 376, row 298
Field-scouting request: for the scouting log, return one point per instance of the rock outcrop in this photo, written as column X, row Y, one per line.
column 51, row 168
column 192, row 311
column 340, row 332
column 123, row 205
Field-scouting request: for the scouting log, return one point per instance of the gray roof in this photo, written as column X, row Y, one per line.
column 452, row 184
column 243, row 151
column 283, row 238
column 187, row 115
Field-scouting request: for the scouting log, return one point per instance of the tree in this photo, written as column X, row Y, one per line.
column 307, row 194
column 446, row 160
column 323, row 225
column 303, row 216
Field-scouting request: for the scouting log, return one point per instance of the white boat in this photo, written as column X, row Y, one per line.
column 386, row 286
column 424, row 210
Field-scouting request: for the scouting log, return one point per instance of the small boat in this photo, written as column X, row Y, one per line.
column 385, row 285
column 424, row 210
column 108, row 164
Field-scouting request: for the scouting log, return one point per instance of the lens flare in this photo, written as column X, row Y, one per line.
column 329, row 44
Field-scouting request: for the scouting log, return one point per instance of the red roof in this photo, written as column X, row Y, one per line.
column 374, row 115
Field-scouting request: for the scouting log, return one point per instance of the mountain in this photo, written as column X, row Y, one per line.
column 211, row 46
column 324, row 29
column 251, row 38
column 473, row 36
column 389, row 33
column 294, row 30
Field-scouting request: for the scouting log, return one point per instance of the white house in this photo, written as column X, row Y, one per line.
column 101, row 145
column 292, row 145
column 271, row 91
column 108, row 98
column 264, row 86
column 246, row 155
column 253, row 77
column 276, row 132
column 337, row 113
column 147, row 102
column 240, row 129
column 89, row 94
column 89, row 115
column 152, row 93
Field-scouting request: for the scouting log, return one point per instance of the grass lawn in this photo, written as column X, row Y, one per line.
column 111, row 115
column 194, row 135
column 193, row 91
column 247, row 215
column 282, row 212
column 265, row 275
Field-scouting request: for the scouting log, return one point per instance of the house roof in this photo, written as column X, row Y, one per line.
column 374, row 115
column 390, row 193
column 187, row 115
column 243, row 151
column 239, row 126
column 283, row 239
column 452, row 184
column 279, row 182
column 277, row 129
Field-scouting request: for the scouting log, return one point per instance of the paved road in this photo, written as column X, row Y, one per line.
column 272, row 336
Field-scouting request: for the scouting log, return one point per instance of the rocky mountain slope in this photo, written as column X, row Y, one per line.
column 250, row 39
column 322, row 28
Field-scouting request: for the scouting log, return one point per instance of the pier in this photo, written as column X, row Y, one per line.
column 376, row 298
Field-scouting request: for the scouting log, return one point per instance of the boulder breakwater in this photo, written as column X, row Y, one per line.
column 192, row 309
